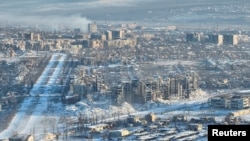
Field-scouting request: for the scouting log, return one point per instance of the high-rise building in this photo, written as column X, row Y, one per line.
column 127, row 91
column 193, row 37
column 97, row 36
column 108, row 35
column 190, row 84
column 92, row 27
column 117, row 97
column 174, row 88
column 29, row 36
column 215, row 39
column 117, row 34
column 141, row 93
column 95, row 44
column 230, row 39
column 37, row 37
column 149, row 94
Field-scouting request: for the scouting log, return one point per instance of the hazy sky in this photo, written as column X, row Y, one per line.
column 77, row 13
column 73, row 13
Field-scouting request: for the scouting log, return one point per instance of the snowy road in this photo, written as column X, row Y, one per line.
column 30, row 113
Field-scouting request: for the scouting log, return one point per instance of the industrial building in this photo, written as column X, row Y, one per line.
column 230, row 101
column 238, row 102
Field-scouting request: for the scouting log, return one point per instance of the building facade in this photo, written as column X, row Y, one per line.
column 215, row 39
column 230, row 102
column 230, row 39
column 92, row 27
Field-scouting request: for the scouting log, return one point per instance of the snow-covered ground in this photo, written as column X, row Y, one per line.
column 29, row 116
column 104, row 110
column 195, row 107
column 176, row 62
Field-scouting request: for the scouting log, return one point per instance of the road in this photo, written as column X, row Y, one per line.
column 30, row 115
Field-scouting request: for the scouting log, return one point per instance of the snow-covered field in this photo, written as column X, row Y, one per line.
column 29, row 116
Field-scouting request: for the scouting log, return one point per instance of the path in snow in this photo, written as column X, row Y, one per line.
column 29, row 115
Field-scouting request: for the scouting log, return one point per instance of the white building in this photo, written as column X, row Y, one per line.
column 230, row 102
column 119, row 133
column 238, row 102
column 98, row 127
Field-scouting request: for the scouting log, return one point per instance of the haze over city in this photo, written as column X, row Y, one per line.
column 191, row 13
